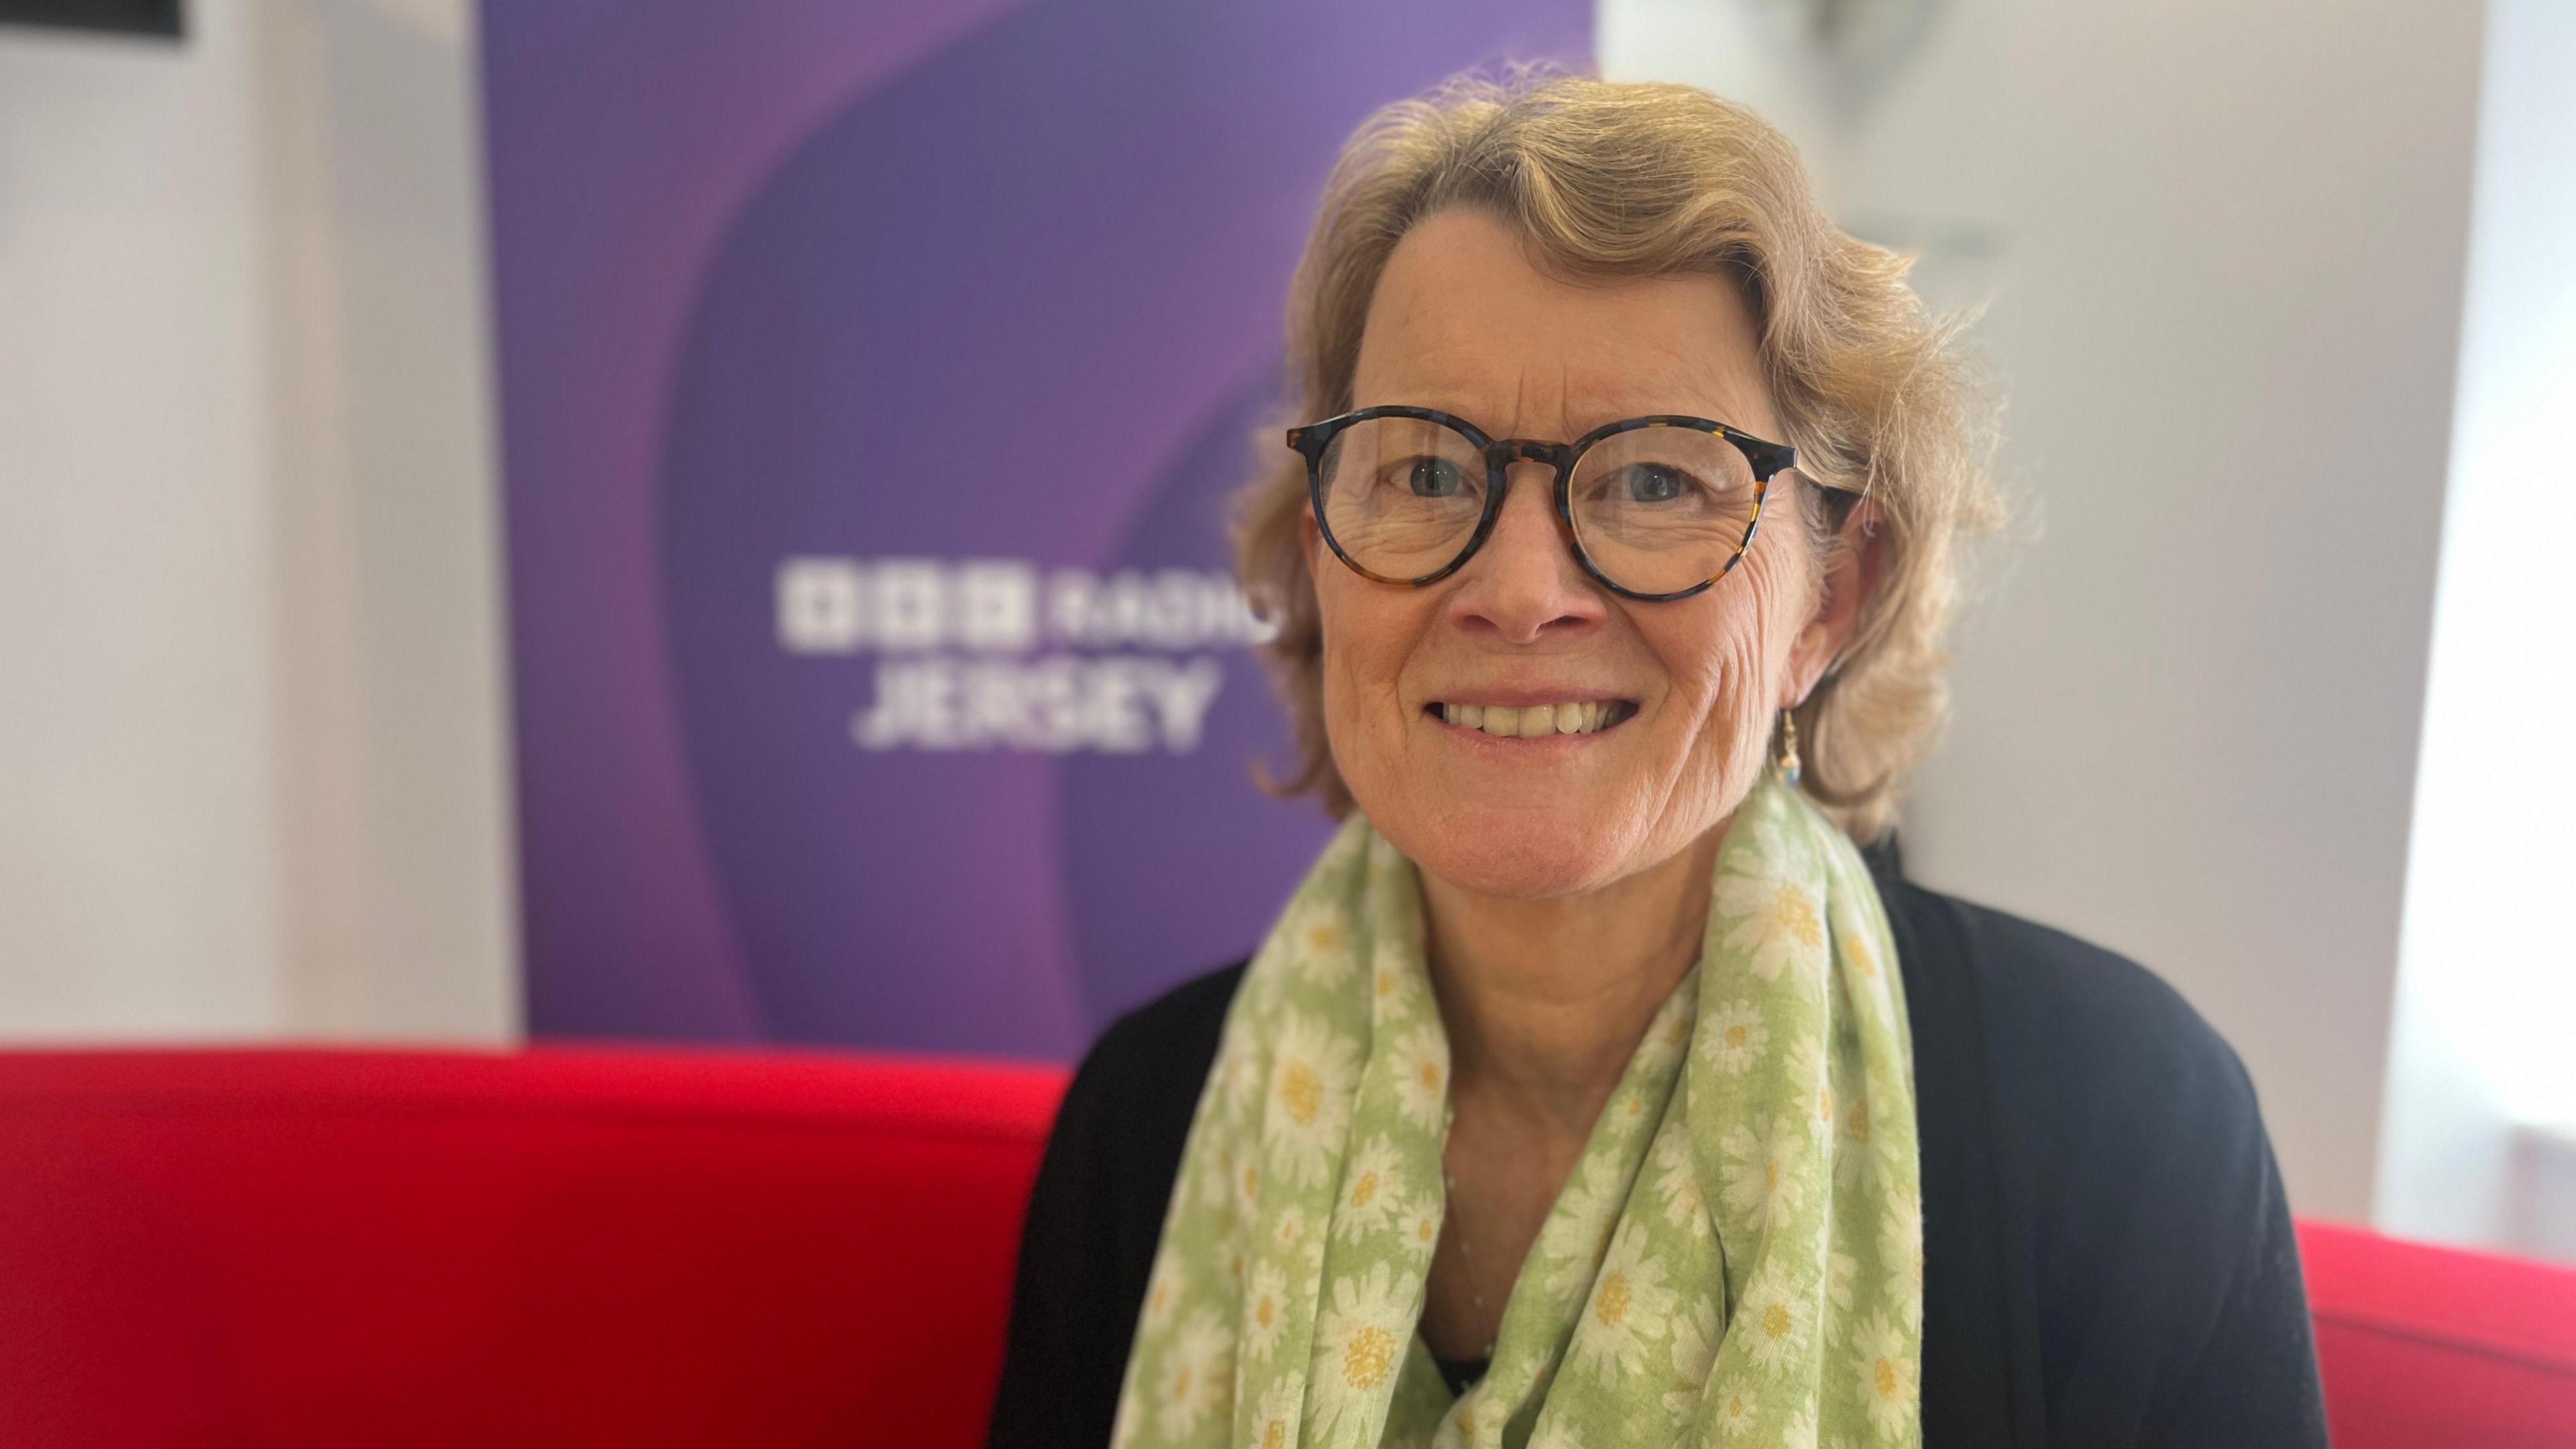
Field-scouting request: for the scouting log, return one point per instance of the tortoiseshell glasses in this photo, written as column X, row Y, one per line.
column 1656, row 508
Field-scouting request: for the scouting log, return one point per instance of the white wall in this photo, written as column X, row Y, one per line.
column 251, row 730
column 2482, row 1069
column 2224, row 245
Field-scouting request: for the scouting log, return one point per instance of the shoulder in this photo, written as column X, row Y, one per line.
column 1127, row 1111
column 2087, row 1047
column 1164, row 1046
column 2128, row 1190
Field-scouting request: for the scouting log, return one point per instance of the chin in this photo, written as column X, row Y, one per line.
column 1518, row 854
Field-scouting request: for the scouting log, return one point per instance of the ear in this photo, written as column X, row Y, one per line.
column 1854, row 569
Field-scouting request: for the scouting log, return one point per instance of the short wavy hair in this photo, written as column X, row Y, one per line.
column 1608, row 180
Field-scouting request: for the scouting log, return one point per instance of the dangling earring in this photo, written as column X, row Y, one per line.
column 1786, row 761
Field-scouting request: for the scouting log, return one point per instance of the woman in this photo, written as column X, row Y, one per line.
column 1596, row 1088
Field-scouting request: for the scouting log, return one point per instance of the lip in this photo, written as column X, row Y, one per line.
column 1517, row 698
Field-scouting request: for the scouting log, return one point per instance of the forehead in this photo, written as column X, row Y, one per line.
column 1464, row 320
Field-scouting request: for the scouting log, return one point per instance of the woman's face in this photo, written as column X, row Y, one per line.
column 1463, row 322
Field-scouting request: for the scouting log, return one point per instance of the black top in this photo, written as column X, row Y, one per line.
column 2107, row 1256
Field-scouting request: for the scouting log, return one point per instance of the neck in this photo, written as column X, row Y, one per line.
column 1545, row 1000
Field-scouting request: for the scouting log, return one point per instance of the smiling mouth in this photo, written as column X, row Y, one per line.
column 1505, row 722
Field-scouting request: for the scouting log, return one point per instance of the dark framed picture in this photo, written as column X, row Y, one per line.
column 132, row 17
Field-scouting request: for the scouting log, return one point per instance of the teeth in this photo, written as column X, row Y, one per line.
column 1504, row 722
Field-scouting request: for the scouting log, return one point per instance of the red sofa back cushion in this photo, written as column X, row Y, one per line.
column 655, row 1247
column 549, row 1247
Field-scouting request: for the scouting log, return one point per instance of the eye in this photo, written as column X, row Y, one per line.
column 1433, row 477
column 1650, row 483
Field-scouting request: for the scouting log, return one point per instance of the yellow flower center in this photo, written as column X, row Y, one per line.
column 1611, row 1307
column 1431, row 1075
column 1181, row 1385
column 1791, row 913
column 1776, row 1321
column 1859, row 1122
column 1366, row 1356
column 1736, row 1408
column 1266, row 1311
column 1364, row 1191
column 1737, row 1036
column 1323, row 938
column 1302, row 1093
column 1771, row 1174
column 1274, row 1435
column 1252, row 1182
column 1886, row 1378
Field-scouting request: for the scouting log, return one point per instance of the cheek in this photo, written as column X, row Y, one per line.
column 1727, row 661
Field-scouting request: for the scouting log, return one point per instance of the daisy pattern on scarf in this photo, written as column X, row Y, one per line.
column 1372, row 1191
column 1197, row 1375
column 1322, row 945
column 1694, row 1349
column 1733, row 1038
column 1418, row 1227
column 1556, row 1434
column 1774, row 1322
column 1422, row 1077
column 1761, row 1173
column 1310, row 1089
column 1274, row 1419
column 1774, row 921
column 1886, row 1375
column 1630, row 1308
column 1359, row 1348
column 1677, row 1184
column 1265, row 1309
column 1164, row 1289
column 1735, row 1411
column 1807, row 1072
column 1577, row 1233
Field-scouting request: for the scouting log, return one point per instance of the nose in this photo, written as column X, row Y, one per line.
column 1524, row 585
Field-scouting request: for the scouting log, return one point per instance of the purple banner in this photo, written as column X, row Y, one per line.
column 874, row 382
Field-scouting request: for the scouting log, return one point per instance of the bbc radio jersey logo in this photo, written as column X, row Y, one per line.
column 993, row 654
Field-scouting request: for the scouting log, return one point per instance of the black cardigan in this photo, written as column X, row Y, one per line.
column 2107, row 1256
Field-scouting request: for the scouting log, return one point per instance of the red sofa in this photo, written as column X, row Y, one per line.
column 641, row 1247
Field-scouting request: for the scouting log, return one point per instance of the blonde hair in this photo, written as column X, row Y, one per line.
column 1635, row 180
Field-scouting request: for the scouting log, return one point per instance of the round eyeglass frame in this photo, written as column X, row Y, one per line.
column 1767, row 458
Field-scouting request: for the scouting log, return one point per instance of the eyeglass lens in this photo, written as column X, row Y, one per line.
column 1657, row 510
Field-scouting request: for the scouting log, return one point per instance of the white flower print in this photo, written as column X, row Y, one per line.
column 1774, row 1323
column 1773, row 922
column 1422, row 1077
column 1578, row 1231
column 1265, row 1309
column 1807, row 1073
column 1197, row 1376
column 1322, row 942
column 1164, row 1288
column 1629, row 1308
column 1733, row 1411
column 1694, row 1349
column 1733, row 1038
column 1274, row 1419
column 1800, row 1431
column 1762, row 1171
column 1360, row 1345
column 1677, row 1184
column 1900, row 1249
column 1886, row 1370
column 1840, row 1269
column 1372, row 1195
column 1626, row 1111
column 1418, row 1227
column 1310, row 1098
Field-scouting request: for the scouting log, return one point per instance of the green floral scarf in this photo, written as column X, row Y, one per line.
column 1736, row 1259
